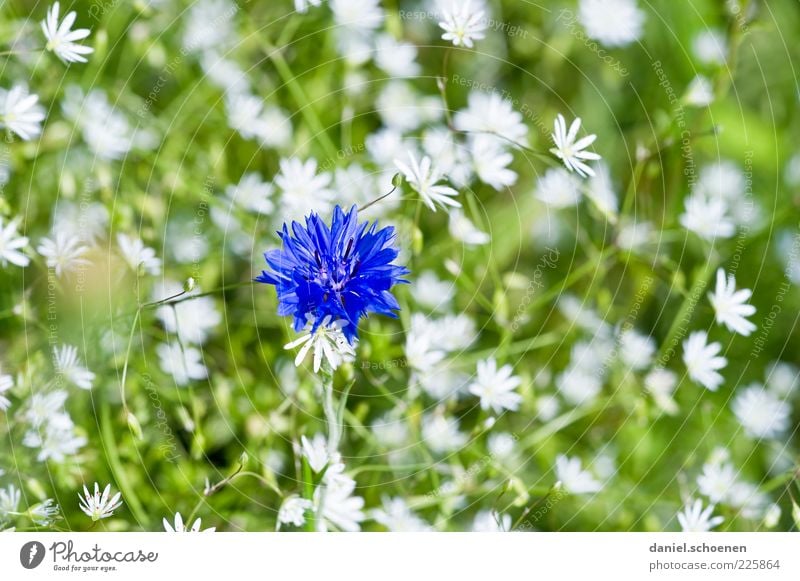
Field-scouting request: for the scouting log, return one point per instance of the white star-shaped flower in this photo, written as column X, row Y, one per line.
column 731, row 306
column 573, row 153
column 61, row 39
column 703, row 360
column 423, row 177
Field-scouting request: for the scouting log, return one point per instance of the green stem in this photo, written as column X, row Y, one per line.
column 115, row 464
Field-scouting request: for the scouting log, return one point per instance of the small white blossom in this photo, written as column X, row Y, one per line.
column 61, row 39
column 9, row 500
column 573, row 153
column 761, row 414
column 463, row 23
column 558, row 189
column 11, row 244
column 491, row 162
column 302, row 5
column 6, row 383
column 716, row 480
column 137, row 255
column 695, row 518
column 493, row 116
column 179, row 527
column 703, row 361
column 20, row 112
column 636, row 350
column 98, row 506
column 612, row 22
column 463, row 230
column 700, row 92
column 316, row 453
column 397, row 517
column 496, row 387
column 707, row 217
column 423, row 177
column 303, row 190
column 328, row 343
column 293, row 511
column 730, row 305
column 183, row 363
column 489, row 521
column 574, row 478
column 44, row 513
column 64, row 253
column 68, row 364
column 441, row 434
column 710, row 47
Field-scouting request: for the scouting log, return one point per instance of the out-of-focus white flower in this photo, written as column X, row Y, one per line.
column 315, row 451
column 252, row 193
column 9, row 500
column 179, row 527
column 661, row 384
column 253, row 120
column 501, row 445
column 293, row 511
column 489, row 521
column 56, row 440
column 574, row 478
column 424, row 178
column 224, row 73
column 339, row 506
column 578, row 386
column 463, row 230
column 782, row 379
column 61, row 39
column 396, row 58
column 491, row 162
column 558, row 189
column 703, row 361
column 441, row 434
column 491, row 114
column 397, row 517
column 707, row 217
column 700, row 92
column 64, row 253
column 11, row 244
column 716, row 480
column 402, row 109
column 600, row 190
column 612, row 22
column 634, row 235
column 192, row 319
column 44, row 513
column 761, row 414
column 183, row 363
column 431, row 292
column 303, row 190
column 710, row 47
column 547, row 407
column 98, row 506
column 636, row 350
column 20, row 112
column 694, row 518
column 359, row 16
column 6, row 383
column 496, row 386
column 209, row 25
column 730, row 305
column 792, row 171
column 137, row 255
column 302, row 5
column 68, row 365
column 328, row 343
column 573, row 153
column 463, row 22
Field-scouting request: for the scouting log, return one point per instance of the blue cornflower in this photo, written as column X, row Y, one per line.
column 341, row 273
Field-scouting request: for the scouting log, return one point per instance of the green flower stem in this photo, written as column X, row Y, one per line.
column 114, row 462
